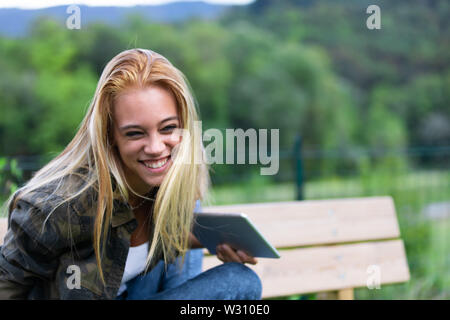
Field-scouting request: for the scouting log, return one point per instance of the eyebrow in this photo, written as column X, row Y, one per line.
column 129, row 126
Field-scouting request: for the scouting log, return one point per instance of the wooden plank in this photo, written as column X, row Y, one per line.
column 3, row 227
column 346, row 294
column 297, row 223
column 329, row 268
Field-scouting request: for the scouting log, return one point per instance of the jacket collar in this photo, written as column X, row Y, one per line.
column 122, row 213
column 122, row 210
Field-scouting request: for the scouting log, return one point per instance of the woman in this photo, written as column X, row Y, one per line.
column 110, row 217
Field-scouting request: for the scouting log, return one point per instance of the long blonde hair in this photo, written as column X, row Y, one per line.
column 92, row 148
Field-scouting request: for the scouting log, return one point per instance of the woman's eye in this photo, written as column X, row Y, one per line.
column 132, row 133
column 169, row 128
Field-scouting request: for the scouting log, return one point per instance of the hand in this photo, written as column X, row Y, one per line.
column 227, row 254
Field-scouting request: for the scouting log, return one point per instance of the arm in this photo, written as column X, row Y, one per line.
column 194, row 243
column 28, row 256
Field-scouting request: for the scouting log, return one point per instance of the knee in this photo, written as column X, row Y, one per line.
column 248, row 283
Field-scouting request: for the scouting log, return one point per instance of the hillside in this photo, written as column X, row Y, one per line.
column 16, row 22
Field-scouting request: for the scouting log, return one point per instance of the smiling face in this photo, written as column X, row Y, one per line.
column 144, row 120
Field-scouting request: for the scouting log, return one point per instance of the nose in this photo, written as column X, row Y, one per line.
column 154, row 146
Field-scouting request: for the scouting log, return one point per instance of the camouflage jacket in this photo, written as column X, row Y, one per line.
column 37, row 258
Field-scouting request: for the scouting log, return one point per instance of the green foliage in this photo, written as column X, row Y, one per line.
column 53, row 54
column 10, row 177
column 307, row 68
column 66, row 98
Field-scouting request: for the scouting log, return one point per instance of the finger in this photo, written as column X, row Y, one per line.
column 229, row 253
column 222, row 254
column 246, row 258
column 219, row 255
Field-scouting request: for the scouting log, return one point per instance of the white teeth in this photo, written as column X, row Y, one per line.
column 156, row 165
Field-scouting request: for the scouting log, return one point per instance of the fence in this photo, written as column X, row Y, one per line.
column 316, row 173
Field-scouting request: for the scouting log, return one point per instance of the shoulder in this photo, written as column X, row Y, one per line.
column 70, row 195
column 53, row 212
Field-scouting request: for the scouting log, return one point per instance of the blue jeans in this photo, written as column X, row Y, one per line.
column 229, row 281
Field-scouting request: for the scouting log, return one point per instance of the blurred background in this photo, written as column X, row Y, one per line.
column 360, row 112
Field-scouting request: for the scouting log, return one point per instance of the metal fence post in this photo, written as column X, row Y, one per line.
column 298, row 163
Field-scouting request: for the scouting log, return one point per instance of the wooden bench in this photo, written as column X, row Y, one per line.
column 328, row 247
column 325, row 245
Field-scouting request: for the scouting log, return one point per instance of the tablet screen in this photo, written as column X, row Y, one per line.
column 235, row 229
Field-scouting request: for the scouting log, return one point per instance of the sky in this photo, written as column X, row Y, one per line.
column 35, row 4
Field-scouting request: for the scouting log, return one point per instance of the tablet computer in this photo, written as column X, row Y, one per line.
column 235, row 229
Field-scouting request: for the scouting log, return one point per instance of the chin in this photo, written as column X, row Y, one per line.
column 153, row 181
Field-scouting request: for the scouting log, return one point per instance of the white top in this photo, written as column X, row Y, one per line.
column 135, row 264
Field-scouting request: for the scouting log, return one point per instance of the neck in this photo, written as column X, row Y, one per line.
column 135, row 200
